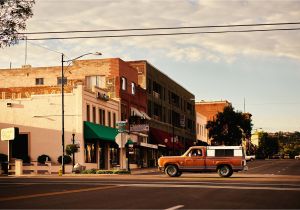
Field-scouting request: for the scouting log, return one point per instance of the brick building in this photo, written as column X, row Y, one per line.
column 116, row 78
column 171, row 108
column 207, row 111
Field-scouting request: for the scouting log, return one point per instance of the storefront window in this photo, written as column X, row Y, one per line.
column 114, row 156
column 90, row 152
column 134, row 155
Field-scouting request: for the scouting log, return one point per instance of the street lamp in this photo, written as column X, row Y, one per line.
column 173, row 129
column 63, row 103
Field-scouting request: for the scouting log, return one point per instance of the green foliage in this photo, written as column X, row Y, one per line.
column 268, row 145
column 105, row 172
column 67, row 159
column 43, row 158
column 230, row 127
column 289, row 143
column 13, row 18
column 71, row 149
column 95, row 171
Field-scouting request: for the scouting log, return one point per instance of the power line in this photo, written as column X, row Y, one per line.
column 165, row 34
column 161, row 28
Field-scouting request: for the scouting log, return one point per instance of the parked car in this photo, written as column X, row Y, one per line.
column 276, row 156
column 221, row 159
column 250, row 157
column 297, row 157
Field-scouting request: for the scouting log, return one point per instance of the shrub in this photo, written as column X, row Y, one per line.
column 3, row 157
column 95, row 171
column 121, row 172
column 43, row 158
column 71, row 149
column 26, row 159
column 67, row 159
column 104, row 172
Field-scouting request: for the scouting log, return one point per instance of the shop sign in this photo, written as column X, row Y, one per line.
column 121, row 125
column 8, row 134
column 130, row 150
column 139, row 128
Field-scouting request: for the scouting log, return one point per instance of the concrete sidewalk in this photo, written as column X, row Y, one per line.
column 138, row 171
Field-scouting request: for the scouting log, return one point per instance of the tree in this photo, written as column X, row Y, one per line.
column 13, row 16
column 268, row 146
column 229, row 127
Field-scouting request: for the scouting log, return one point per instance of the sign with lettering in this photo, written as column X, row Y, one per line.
column 8, row 134
column 139, row 127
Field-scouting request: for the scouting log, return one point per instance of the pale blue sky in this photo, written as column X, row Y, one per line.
column 263, row 68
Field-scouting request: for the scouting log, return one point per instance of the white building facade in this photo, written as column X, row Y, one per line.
column 39, row 119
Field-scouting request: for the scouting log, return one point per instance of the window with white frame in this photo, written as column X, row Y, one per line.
column 97, row 80
column 133, row 88
column 123, row 83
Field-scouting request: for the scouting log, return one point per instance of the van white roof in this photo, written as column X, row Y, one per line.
column 224, row 147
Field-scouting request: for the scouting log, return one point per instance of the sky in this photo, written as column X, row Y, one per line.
column 257, row 72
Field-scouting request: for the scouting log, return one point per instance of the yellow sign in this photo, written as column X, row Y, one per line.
column 8, row 134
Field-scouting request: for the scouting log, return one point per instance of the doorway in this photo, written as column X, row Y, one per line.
column 19, row 148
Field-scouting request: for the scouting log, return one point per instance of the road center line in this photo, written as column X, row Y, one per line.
column 57, row 193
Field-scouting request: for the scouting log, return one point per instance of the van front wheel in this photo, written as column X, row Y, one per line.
column 225, row 171
column 171, row 170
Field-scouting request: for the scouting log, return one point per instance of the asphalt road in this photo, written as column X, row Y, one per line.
column 269, row 184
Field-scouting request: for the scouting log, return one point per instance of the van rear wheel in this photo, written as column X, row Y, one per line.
column 225, row 171
column 171, row 170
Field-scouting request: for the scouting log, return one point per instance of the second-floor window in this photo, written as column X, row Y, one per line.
column 132, row 88
column 98, row 81
column 88, row 113
column 59, row 80
column 123, row 83
column 39, row 81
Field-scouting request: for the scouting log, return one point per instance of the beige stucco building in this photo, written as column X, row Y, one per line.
column 37, row 113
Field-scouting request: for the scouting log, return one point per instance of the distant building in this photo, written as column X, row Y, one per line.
column 202, row 132
column 207, row 111
column 211, row 108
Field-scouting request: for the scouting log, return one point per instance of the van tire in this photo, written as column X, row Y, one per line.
column 178, row 174
column 171, row 170
column 225, row 171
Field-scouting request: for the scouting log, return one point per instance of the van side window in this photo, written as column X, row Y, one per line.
column 224, row 153
column 195, row 153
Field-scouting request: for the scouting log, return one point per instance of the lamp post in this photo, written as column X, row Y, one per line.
column 173, row 129
column 73, row 155
column 63, row 103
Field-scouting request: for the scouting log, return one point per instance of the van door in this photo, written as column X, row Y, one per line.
column 195, row 160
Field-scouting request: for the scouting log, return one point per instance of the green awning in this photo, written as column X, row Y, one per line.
column 95, row 131
column 129, row 141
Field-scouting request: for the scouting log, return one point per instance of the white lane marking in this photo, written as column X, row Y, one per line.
column 173, row 183
column 175, row 207
column 211, row 187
